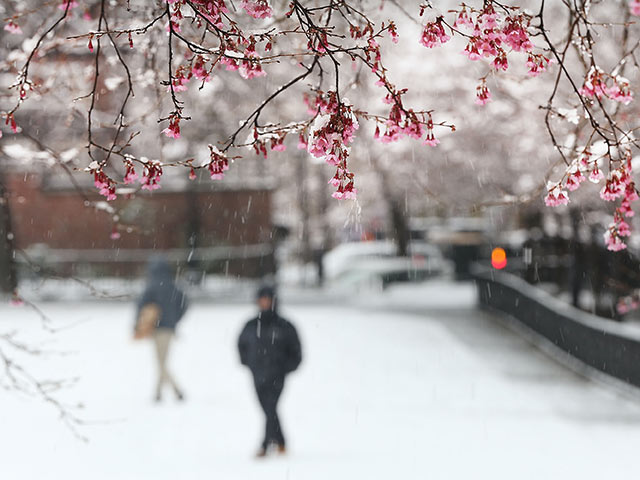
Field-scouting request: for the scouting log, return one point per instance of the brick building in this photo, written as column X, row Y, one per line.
column 218, row 226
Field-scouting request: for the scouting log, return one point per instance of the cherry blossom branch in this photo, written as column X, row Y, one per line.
column 254, row 116
column 23, row 78
column 21, row 380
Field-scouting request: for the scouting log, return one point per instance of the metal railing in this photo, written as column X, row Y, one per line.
column 597, row 343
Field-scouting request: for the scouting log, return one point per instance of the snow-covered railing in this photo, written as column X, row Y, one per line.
column 251, row 261
column 137, row 255
column 604, row 345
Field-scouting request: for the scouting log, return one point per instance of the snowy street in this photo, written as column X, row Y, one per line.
column 439, row 392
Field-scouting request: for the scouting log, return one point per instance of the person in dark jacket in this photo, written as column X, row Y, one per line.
column 162, row 292
column 270, row 347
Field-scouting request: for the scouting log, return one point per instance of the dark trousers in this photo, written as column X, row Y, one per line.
column 269, row 391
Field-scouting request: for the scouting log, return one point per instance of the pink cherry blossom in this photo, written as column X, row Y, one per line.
column 625, row 208
column 500, row 62
column 257, row 8
column 483, row 95
column 151, row 175
column 219, row 163
column 612, row 190
column 594, row 84
column 11, row 121
column 199, row 70
column 463, row 19
column 13, row 28
column 179, row 83
column 105, row 185
column 68, row 4
column 556, row 197
column 620, row 91
column 393, row 32
column 596, row 175
column 130, row 175
column 515, row 34
column 471, row 50
column 537, row 64
column 575, row 179
column 278, row 144
column 173, row 130
column 433, row 34
column 250, row 66
column 623, row 229
column 302, row 143
column 613, row 240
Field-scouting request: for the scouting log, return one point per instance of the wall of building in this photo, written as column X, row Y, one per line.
column 163, row 219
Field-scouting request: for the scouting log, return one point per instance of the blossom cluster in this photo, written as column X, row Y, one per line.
column 329, row 136
column 619, row 185
column 198, row 68
column 491, row 35
column 257, row 8
column 214, row 10
column 218, row 164
column 130, row 175
column 105, row 185
column 401, row 122
column 246, row 62
column 598, row 84
column 173, row 130
column 263, row 140
column 13, row 27
column 434, row 34
column 150, row 179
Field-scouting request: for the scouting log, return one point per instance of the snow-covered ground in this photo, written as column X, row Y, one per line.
column 413, row 383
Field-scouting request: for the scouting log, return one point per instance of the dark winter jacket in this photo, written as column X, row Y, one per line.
column 162, row 291
column 269, row 346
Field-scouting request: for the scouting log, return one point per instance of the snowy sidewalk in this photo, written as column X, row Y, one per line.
column 439, row 391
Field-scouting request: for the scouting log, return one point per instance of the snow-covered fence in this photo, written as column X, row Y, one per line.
column 596, row 343
column 244, row 260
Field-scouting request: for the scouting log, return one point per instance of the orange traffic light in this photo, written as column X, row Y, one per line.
column 498, row 258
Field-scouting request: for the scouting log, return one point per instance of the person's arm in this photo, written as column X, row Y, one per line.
column 184, row 304
column 145, row 299
column 294, row 350
column 243, row 345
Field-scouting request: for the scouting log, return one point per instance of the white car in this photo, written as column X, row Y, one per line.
column 376, row 263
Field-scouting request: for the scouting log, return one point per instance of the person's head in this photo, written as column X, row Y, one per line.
column 266, row 298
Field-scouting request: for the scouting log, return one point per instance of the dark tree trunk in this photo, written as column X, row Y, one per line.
column 8, row 273
column 303, row 204
column 397, row 213
column 400, row 227
column 323, row 207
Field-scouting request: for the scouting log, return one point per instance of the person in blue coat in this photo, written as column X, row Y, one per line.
column 171, row 302
column 269, row 346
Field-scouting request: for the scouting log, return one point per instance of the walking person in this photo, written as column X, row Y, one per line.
column 160, row 308
column 270, row 347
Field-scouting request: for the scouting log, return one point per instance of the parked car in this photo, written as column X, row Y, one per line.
column 376, row 264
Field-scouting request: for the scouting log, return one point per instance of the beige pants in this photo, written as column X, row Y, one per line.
column 162, row 340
